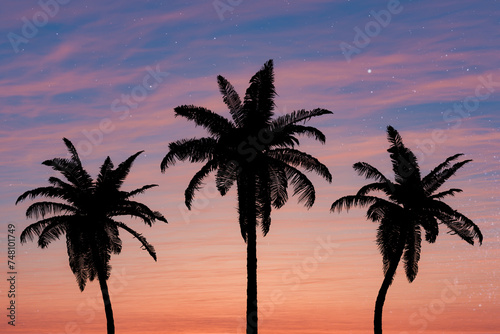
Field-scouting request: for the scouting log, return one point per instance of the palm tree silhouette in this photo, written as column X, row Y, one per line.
column 255, row 151
column 412, row 204
column 85, row 213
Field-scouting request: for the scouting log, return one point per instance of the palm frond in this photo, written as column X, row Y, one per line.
column 40, row 209
column 390, row 241
column 301, row 185
column 227, row 174
column 263, row 201
column 104, row 172
column 464, row 228
column 430, row 225
column 243, row 210
column 347, row 202
column 111, row 241
column 404, row 161
column 71, row 171
column 405, row 167
column 458, row 223
column 139, row 190
column 134, row 209
column 370, row 172
column 433, row 183
column 258, row 103
column 197, row 181
column 214, row 123
column 278, row 186
column 196, row 150
column 394, row 137
column 440, row 167
column 58, row 183
column 145, row 244
column 282, row 139
column 121, row 172
column 80, row 175
column 450, row 192
column 265, row 218
column 379, row 210
column 35, row 229
column 72, row 151
column 379, row 186
column 159, row 216
column 298, row 158
column 78, row 259
column 51, row 192
column 296, row 117
column 51, row 232
column 412, row 251
column 291, row 130
column 68, row 191
column 232, row 101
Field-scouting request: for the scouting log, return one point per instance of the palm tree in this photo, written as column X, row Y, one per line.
column 255, row 151
column 85, row 212
column 411, row 205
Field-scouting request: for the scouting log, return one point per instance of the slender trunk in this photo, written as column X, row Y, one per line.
column 252, row 281
column 389, row 276
column 107, row 303
column 252, row 260
column 101, row 276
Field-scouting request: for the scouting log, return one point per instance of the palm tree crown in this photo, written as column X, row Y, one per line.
column 251, row 143
column 85, row 212
column 412, row 205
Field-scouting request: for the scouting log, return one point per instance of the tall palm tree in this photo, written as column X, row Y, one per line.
column 85, row 212
column 255, row 151
column 411, row 205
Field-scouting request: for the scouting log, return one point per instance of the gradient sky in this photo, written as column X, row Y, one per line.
column 430, row 69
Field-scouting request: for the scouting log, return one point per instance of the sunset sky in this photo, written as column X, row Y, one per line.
column 83, row 70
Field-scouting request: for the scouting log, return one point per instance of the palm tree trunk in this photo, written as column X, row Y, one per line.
column 252, row 280
column 389, row 276
column 107, row 303
column 102, row 277
column 252, row 260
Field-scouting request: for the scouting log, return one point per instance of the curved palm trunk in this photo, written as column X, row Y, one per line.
column 252, row 316
column 389, row 276
column 101, row 276
column 107, row 303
